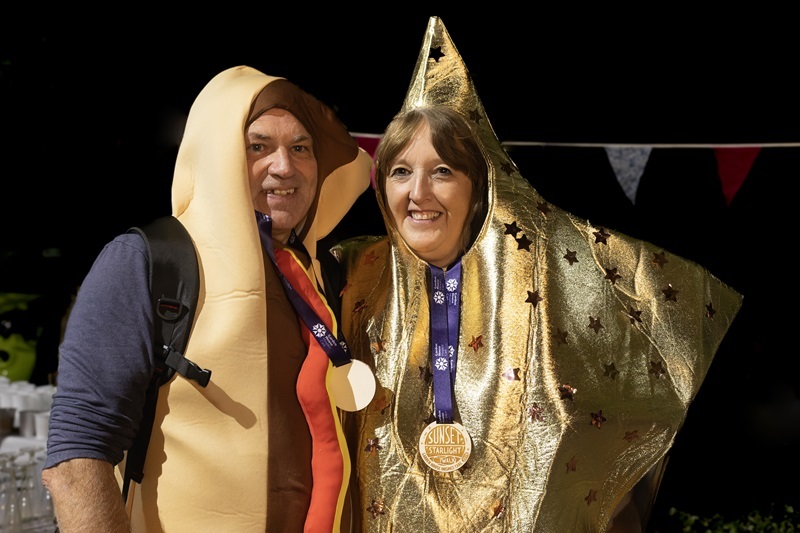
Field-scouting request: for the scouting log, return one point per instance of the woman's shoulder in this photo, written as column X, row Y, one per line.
column 350, row 249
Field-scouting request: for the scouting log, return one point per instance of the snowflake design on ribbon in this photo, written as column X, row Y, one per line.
column 440, row 363
column 319, row 330
column 438, row 297
column 344, row 346
column 452, row 285
column 451, row 351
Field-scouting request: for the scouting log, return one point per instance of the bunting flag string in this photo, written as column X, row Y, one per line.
column 628, row 161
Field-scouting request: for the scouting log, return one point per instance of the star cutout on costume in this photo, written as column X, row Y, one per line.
column 373, row 446
column 498, row 509
column 376, row 507
column 670, row 294
column 598, row 419
column 359, row 306
column 631, row 436
column 572, row 465
column 476, row 342
column 567, row 392
column 591, row 497
column 610, row 370
column 507, row 167
column 475, row 115
column 370, row 258
column 612, row 276
column 571, row 257
column 543, row 207
column 533, row 298
column 657, row 369
column 535, row 413
column 378, row 346
column 512, row 229
column 430, row 420
column 595, row 324
column 634, row 315
column 380, row 402
column 600, row 236
column 435, row 53
column 660, row 259
column 524, row 243
column 512, row 374
column 710, row 311
column 344, row 289
column 560, row 336
column 425, row 373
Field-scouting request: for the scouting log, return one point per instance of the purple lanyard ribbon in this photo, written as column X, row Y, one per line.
column 337, row 350
column 445, row 305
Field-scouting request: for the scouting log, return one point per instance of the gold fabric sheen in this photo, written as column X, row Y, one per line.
column 580, row 351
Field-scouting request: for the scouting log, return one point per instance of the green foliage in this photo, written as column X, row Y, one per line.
column 773, row 520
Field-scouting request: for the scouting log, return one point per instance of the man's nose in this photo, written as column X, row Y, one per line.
column 281, row 162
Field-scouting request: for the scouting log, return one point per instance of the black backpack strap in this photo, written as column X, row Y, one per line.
column 174, row 287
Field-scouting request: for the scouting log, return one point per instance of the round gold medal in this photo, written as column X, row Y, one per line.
column 352, row 385
column 445, row 447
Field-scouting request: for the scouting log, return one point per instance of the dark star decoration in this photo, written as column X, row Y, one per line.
column 591, row 497
column 533, row 298
column 476, row 342
column 631, row 436
column 524, row 243
column 560, row 336
column 435, row 53
column 660, row 259
column 572, row 465
column 535, row 413
column 567, row 392
column 359, row 306
column 378, row 346
column 376, row 507
column 512, row 374
column 571, row 257
column 670, row 294
column 507, row 167
column 373, row 446
column 710, row 311
column 612, row 276
column 430, row 420
column 344, row 289
column 657, row 369
column 543, row 207
column 380, row 402
column 595, row 324
column 610, row 370
column 475, row 115
column 370, row 258
column 512, row 229
column 498, row 509
column 600, row 236
column 598, row 419
column 635, row 316
column 425, row 374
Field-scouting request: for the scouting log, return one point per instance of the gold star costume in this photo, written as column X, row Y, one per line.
column 580, row 351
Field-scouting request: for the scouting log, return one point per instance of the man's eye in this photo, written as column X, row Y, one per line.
column 257, row 147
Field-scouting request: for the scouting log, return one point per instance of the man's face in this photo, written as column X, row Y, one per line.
column 282, row 169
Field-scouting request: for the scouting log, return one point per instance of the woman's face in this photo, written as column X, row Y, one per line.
column 428, row 200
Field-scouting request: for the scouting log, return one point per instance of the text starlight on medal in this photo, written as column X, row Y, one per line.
column 445, row 447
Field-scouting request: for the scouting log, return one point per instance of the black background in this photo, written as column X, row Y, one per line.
column 91, row 109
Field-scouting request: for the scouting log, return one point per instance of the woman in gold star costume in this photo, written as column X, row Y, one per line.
column 574, row 357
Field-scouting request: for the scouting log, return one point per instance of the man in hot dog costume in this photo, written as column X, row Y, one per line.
column 578, row 352
column 263, row 172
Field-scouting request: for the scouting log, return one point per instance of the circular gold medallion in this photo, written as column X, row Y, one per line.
column 445, row 447
column 352, row 385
